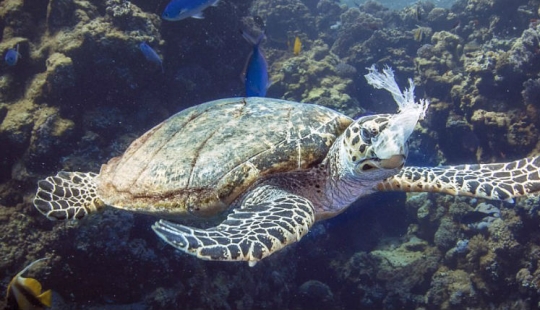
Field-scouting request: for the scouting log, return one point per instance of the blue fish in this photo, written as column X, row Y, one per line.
column 256, row 71
column 151, row 55
column 180, row 9
column 12, row 56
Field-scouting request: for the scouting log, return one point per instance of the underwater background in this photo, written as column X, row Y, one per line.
column 80, row 90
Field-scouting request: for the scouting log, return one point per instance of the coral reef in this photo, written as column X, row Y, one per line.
column 400, row 270
column 74, row 43
column 450, row 289
column 82, row 91
column 485, row 73
column 313, row 77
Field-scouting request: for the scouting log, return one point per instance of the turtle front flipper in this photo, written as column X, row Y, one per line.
column 500, row 181
column 68, row 195
column 268, row 219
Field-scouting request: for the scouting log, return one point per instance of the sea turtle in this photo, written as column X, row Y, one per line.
column 273, row 168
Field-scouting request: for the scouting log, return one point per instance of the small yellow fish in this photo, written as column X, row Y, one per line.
column 297, row 46
column 420, row 33
column 26, row 292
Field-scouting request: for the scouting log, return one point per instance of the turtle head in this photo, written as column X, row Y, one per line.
column 375, row 147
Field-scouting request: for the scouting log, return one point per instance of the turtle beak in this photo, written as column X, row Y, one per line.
column 395, row 161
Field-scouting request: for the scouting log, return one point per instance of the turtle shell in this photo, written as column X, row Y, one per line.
column 203, row 158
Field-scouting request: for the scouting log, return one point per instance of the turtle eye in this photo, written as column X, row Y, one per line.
column 366, row 135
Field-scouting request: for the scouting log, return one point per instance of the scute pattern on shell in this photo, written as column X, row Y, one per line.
column 201, row 159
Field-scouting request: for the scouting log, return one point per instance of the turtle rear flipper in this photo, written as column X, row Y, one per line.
column 268, row 220
column 68, row 195
column 499, row 181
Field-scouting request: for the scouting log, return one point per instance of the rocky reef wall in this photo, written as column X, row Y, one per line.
column 82, row 91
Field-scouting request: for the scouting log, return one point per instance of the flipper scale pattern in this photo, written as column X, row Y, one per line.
column 500, row 181
column 68, row 195
column 250, row 233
